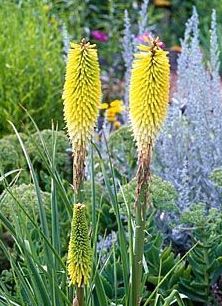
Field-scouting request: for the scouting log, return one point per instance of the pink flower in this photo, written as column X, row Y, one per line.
column 144, row 38
column 100, row 36
column 161, row 44
column 147, row 39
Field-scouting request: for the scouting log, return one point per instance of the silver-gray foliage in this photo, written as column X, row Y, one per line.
column 143, row 17
column 127, row 54
column 66, row 41
column 190, row 145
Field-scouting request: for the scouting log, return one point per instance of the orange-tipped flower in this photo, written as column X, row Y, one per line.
column 149, row 92
column 81, row 95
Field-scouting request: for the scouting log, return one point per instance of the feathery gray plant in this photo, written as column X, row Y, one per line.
column 214, row 48
column 216, row 124
column 190, row 145
column 66, row 41
column 143, row 17
column 184, row 188
column 127, row 54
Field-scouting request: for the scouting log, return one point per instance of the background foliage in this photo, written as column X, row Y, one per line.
column 31, row 64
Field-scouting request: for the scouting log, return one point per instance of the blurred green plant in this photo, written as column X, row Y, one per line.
column 216, row 177
column 163, row 194
column 123, row 152
column 11, row 156
column 73, row 14
column 176, row 22
column 26, row 195
column 63, row 158
column 31, row 64
column 103, row 207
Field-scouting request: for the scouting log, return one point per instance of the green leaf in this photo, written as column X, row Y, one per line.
column 100, row 290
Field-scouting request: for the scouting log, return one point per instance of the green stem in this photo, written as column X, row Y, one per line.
column 138, row 250
column 93, row 193
column 79, row 199
column 141, row 204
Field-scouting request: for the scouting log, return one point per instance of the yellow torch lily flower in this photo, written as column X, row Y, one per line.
column 79, row 254
column 81, row 95
column 149, row 92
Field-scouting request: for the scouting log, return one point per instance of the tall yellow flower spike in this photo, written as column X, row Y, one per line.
column 149, row 93
column 149, row 96
column 79, row 254
column 81, row 95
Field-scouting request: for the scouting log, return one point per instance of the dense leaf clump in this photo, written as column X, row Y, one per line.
column 31, row 65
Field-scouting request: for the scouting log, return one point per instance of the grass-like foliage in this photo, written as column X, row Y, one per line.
column 31, row 64
column 37, row 231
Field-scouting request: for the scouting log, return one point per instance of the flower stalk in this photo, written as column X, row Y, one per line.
column 81, row 99
column 149, row 94
column 81, row 96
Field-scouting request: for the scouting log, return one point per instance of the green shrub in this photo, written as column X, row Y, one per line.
column 63, row 163
column 163, row 194
column 11, row 156
column 26, row 196
column 216, row 177
column 123, row 152
column 31, row 64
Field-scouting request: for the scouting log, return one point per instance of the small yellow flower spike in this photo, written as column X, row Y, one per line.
column 79, row 254
column 81, row 95
column 149, row 93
